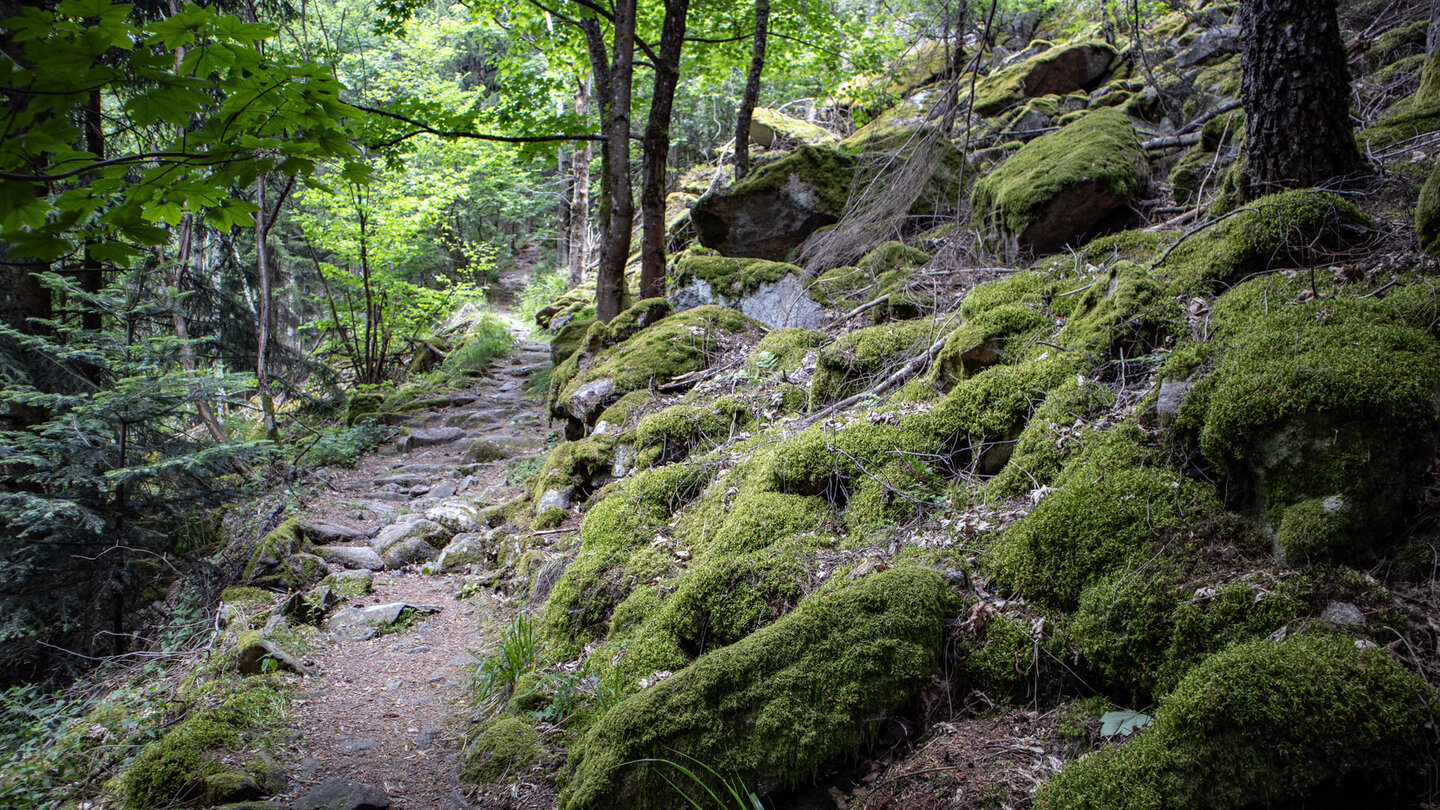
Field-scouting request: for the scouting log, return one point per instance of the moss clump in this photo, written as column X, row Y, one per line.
column 1311, row 719
column 280, row 560
column 892, row 256
column 1049, row 439
column 174, row 767
column 1292, row 227
column 733, row 278
column 676, row 345
column 1143, row 631
column 1331, row 397
column 1106, row 511
column 569, row 339
column 618, row 415
column 856, row 359
column 775, row 707
column 668, row 436
column 998, row 335
column 783, row 350
column 1126, row 312
column 1015, row 83
column 577, row 464
column 1427, row 215
column 362, row 405
column 1036, row 195
column 826, row 169
column 1014, row 659
column 507, row 746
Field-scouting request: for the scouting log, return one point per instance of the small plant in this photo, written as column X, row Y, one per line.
column 731, row 795
column 342, row 446
column 494, row 680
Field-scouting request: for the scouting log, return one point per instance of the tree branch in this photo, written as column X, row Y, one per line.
column 425, row 129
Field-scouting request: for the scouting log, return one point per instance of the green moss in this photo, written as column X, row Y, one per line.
column 1127, row 312
column 1050, row 438
column 998, row 335
column 569, row 339
column 675, row 345
column 1105, row 513
column 1013, row 660
column 1310, row 719
column 1395, row 44
column 856, row 359
column 670, row 435
column 1101, row 151
column 1332, row 397
column 773, row 708
column 1143, row 631
column 508, row 746
column 1291, row 228
column 827, row 169
column 892, row 256
column 618, row 415
column 1008, row 86
column 362, row 405
column 575, row 464
column 790, row 130
column 549, row 518
column 782, row 350
column 729, row 277
column 174, row 767
column 274, row 562
column 1427, row 215
column 246, row 597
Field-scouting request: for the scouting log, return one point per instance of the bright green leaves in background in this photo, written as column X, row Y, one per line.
column 203, row 107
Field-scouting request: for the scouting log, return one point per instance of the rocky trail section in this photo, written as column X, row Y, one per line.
column 417, row 557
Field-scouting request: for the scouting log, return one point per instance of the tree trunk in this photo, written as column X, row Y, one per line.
column 657, row 150
column 182, row 330
column 580, row 202
column 92, row 277
column 1296, row 94
column 563, row 212
column 262, row 268
column 615, row 243
column 752, row 89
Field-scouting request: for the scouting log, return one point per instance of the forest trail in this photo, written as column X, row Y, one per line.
column 387, row 711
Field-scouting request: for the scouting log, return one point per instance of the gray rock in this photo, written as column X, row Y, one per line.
column 1060, row 71
column 351, row 557
column 256, row 650
column 410, row 551
column 588, row 400
column 776, row 304
column 424, row 437
column 465, row 550
column 354, row 582
column 766, row 220
column 342, row 794
column 455, row 517
column 358, row 744
column 325, row 533
column 417, row 528
column 546, row 579
column 1171, row 396
column 1209, row 45
column 360, row 623
column 555, row 499
column 1343, row 613
column 444, row 489
column 427, row 738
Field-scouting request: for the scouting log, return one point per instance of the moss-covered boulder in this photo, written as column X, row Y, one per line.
column 773, row 293
column 282, row 559
column 508, row 746
column 860, row 358
column 771, row 128
column 775, row 707
column 1063, row 185
column 586, row 384
column 1321, row 412
column 1317, row 720
column 773, row 210
column 1059, row 70
column 1427, row 215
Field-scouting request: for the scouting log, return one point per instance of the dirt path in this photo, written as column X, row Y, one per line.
column 388, row 711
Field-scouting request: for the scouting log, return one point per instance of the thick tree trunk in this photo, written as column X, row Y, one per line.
column 657, row 150
column 615, row 244
column 580, row 202
column 752, row 89
column 1296, row 93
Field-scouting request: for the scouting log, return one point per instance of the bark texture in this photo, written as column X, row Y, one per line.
column 657, row 150
column 752, row 89
column 615, row 243
column 580, row 200
column 1296, row 93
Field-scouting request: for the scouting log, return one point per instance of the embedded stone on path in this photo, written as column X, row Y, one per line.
column 342, row 794
column 427, row 531
column 455, row 517
column 464, row 550
column 422, row 437
column 410, row 551
column 351, row 557
column 362, row 623
column 327, row 533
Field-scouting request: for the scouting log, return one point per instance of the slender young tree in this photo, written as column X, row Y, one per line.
column 752, row 89
column 1296, row 94
column 657, row 149
column 580, row 201
column 618, row 200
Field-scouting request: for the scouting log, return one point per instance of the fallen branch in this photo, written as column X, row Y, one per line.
column 1212, row 115
column 1173, row 142
column 865, row 307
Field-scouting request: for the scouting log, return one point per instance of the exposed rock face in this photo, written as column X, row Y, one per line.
column 772, row 293
column 409, row 551
column 772, row 211
column 1062, row 186
column 351, row 557
column 426, row 530
column 365, row 623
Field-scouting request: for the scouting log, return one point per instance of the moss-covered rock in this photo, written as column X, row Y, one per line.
column 1314, row 720
column 569, row 339
column 670, row 435
column 776, row 207
column 1325, row 408
column 1063, row 185
column 1062, row 69
column 508, row 746
column 783, row 350
column 1427, row 215
column 857, row 359
column 775, row 707
column 281, row 560
column 770, row 128
column 586, row 384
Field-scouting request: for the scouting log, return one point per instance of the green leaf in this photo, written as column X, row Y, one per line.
column 1123, row 722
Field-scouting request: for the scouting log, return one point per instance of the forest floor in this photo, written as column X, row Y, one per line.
column 388, row 712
